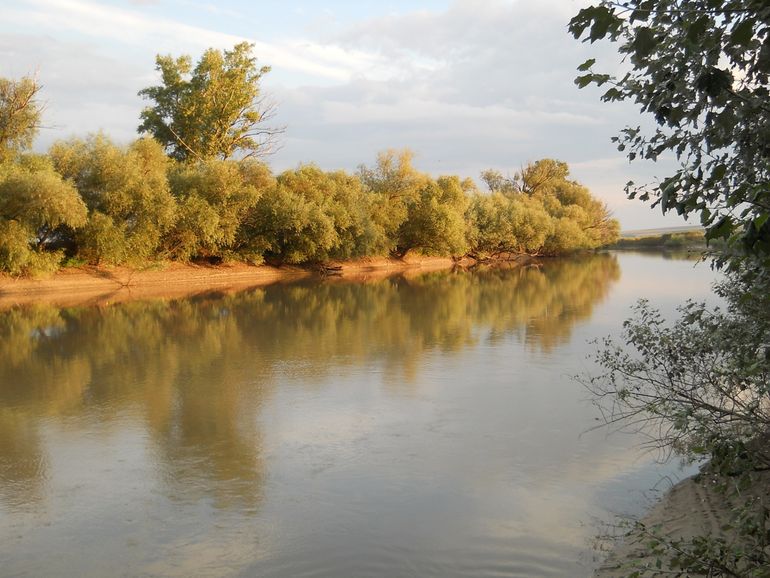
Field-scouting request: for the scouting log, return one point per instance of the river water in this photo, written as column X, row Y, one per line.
column 421, row 425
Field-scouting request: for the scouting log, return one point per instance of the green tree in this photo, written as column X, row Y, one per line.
column 19, row 115
column 38, row 211
column 395, row 184
column 314, row 216
column 127, row 194
column 214, row 110
column 700, row 69
column 435, row 219
column 214, row 197
column 541, row 211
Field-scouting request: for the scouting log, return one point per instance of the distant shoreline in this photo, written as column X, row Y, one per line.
column 691, row 240
column 104, row 285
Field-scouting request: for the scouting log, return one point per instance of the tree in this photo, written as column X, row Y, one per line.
column 38, row 210
column 19, row 115
column 504, row 225
column 544, row 212
column 214, row 197
column 127, row 193
column 700, row 69
column 395, row 184
column 435, row 219
column 215, row 110
column 314, row 216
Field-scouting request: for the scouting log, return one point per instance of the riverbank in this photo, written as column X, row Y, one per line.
column 690, row 240
column 90, row 285
column 693, row 507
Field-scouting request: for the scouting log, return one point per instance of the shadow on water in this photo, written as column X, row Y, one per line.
column 194, row 373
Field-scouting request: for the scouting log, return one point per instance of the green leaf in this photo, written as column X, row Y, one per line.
column 718, row 172
column 722, row 229
column 743, row 33
column 601, row 19
column 697, row 28
column 587, row 65
column 644, row 42
column 585, row 80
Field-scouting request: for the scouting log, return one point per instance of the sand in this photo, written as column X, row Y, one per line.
column 103, row 285
column 693, row 507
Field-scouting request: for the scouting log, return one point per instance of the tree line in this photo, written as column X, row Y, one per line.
column 194, row 187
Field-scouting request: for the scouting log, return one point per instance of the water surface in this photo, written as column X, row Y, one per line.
column 413, row 426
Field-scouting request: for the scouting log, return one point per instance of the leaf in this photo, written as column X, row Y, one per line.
column 718, row 172
column 722, row 229
column 612, row 94
column 601, row 19
column 714, row 81
column 585, row 80
column 587, row 65
column 743, row 33
column 644, row 42
column 697, row 28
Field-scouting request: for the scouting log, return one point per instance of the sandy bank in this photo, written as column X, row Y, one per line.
column 102, row 285
column 693, row 507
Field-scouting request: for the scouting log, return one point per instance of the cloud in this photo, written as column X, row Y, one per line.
column 111, row 24
column 477, row 84
column 490, row 83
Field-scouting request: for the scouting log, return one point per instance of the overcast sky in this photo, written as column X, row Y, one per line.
column 466, row 84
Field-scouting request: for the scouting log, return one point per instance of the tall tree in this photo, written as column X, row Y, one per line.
column 214, row 110
column 395, row 184
column 214, row 198
column 540, row 210
column 19, row 115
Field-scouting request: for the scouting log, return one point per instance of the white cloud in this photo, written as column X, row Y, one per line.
column 482, row 83
column 135, row 28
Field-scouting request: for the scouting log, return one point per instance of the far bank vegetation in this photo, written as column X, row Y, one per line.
column 194, row 187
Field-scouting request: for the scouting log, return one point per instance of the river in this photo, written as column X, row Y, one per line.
column 420, row 425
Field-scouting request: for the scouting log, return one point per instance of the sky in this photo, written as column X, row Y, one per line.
column 466, row 84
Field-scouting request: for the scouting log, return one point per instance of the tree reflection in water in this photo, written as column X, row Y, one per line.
column 197, row 371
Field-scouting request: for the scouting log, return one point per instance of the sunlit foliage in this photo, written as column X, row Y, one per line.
column 214, row 197
column 38, row 211
column 212, row 110
column 312, row 216
column 127, row 194
column 19, row 115
column 540, row 211
column 191, row 192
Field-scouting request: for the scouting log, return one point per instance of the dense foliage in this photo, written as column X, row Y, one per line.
column 192, row 189
column 212, row 110
column 701, row 69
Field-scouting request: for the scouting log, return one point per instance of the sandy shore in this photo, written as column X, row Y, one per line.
column 103, row 285
column 693, row 507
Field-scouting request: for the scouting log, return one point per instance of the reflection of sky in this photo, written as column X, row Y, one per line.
column 474, row 461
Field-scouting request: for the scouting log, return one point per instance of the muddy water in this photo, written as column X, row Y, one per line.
column 406, row 427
